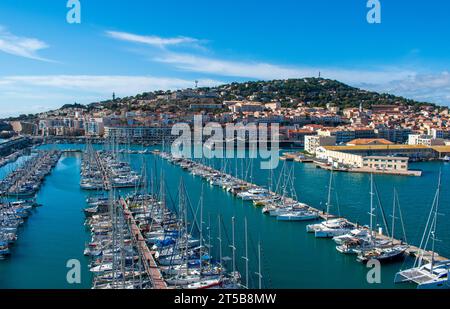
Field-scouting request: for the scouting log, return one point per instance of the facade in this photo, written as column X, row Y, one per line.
column 146, row 133
column 205, row 106
column 313, row 142
column 386, row 163
column 298, row 136
column 398, row 136
column 426, row 140
column 414, row 152
column 94, row 127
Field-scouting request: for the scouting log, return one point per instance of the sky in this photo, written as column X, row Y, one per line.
column 143, row 45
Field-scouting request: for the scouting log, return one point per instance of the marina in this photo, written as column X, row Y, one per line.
column 22, row 183
column 380, row 246
column 172, row 176
column 139, row 242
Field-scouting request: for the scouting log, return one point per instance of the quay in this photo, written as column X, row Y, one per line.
column 323, row 164
column 188, row 164
column 328, row 167
column 151, row 268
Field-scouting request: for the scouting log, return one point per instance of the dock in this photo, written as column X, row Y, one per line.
column 412, row 250
column 151, row 268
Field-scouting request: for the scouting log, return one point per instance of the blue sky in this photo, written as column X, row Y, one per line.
column 147, row 45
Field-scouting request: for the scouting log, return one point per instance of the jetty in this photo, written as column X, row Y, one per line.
column 151, row 268
column 194, row 167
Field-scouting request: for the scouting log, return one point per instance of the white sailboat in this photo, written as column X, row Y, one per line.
column 435, row 274
column 330, row 227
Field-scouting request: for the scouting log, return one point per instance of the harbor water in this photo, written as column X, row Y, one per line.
column 291, row 258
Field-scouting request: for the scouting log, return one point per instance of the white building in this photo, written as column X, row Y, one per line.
column 312, row 142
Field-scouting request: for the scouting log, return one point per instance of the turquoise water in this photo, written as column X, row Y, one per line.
column 52, row 235
column 291, row 257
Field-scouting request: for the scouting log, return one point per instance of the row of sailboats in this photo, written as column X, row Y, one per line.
column 434, row 274
column 365, row 242
column 281, row 204
column 362, row 241
column 175, row 237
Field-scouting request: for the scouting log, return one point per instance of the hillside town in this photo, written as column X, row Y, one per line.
column 333, row 133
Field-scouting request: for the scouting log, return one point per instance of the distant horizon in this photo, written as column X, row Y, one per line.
column 48, row 62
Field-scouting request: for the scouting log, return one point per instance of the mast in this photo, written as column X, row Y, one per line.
column 329, row 193
column 259, row 267
column 233, row 246
column 433, row 232
column 393, row 215
column 371, row 207
column 246, row 253
column 219, row 238
column 201, row 228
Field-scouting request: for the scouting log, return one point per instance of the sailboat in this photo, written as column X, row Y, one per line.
column 330, row 227
column 380, row 250
column 435, row 274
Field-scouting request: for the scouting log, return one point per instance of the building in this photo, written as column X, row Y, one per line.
column 313, row 142
column 369, row 141
column 155, row 134
column 22, row 127
column 398, row 136
column 247, row 107
column 440, row 133
column 297, row 137
column 94, row 127
column 426, row 140
column 385, row 163
column 205, row 106
column 342, row 136
column 414, row 152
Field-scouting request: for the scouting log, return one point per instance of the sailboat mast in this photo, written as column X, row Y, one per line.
column 393, row 215
column 436, row 209
column 371, row 207
column 201, row 228
column 246, row 253
column 220, row 239
column 259, row 267
column 329, row 193
column 233, row 247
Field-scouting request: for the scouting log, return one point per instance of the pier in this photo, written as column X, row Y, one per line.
column 151, row 268
column 188, row 164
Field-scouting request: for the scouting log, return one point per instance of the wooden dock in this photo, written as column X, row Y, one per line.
column 105, row 174
column 413, row 251
column 151, row 268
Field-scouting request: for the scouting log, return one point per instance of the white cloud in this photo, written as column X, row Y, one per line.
column 151, row 39
column 101, row 83
column 21, row 94
column 262, row 70
column 21, row 46
column 429, row 87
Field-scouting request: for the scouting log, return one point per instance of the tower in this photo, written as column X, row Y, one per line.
column 114, row 96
